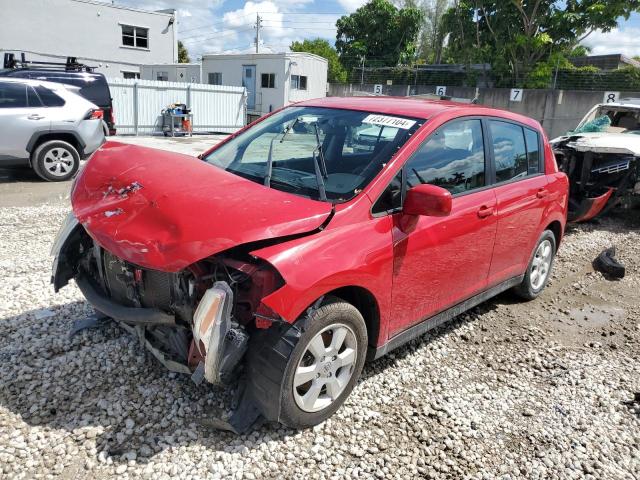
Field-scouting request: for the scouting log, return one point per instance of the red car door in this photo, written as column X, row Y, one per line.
column 439, row 262
column 521, row 193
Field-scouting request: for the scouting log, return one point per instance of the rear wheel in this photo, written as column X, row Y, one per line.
column 539, row 268
column 319, row 365
column 55, row 161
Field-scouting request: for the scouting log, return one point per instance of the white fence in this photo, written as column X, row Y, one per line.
column 138, row 104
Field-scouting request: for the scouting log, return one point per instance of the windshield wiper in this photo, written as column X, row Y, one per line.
column 267, row 177
column 320, row 152
column 316, row 166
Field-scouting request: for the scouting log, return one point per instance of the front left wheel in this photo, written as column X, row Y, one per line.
column 306, row 373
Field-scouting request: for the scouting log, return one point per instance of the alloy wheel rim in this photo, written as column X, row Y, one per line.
column 541, row 264
column 58, row 161
column 325, row 368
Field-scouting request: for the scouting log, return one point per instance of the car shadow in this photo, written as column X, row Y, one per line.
column 102, row 386
column 19, row 174
column 448, row 328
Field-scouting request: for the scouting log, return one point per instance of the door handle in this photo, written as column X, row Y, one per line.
column 485, row 211
column 542, row 193
column 35, row 116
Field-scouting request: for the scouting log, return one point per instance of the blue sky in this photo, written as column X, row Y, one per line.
column 215, row 26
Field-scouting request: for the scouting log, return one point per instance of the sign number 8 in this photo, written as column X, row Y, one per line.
column 611, row 97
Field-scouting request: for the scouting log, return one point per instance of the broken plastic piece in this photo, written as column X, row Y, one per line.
column 245, row 414
column 95, row 320
column 607, row 264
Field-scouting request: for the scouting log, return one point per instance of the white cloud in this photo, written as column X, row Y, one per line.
column 351, row 5
column 618, row 40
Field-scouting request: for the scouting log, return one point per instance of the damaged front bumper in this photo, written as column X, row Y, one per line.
column 601, row 174
column 199, row 338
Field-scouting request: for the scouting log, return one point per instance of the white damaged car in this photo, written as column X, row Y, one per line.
column 602, row 159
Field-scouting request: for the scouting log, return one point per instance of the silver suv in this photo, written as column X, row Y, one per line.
column 47, row 126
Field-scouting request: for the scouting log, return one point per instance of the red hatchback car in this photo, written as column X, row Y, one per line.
column 327, row 233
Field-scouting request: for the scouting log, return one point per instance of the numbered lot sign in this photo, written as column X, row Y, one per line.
column 441, row 91
column 611, row 97
column 377, row 89
column 516, row 94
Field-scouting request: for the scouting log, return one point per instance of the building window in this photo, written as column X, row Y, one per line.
column 215, row 78
column 162, row 76
column 131, row 75
column 299, row 82
column 268, row 80
column 135, row 36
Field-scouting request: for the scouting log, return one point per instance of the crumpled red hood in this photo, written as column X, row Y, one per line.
column 165, row 211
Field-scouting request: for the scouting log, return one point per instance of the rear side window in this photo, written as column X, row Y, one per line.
column 32, row 98
column 452, row 158
column 533, row 150
column 13, row 95
column 48, row 97
column 509, row 150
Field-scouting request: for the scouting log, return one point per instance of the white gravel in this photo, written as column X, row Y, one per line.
column 537, row 390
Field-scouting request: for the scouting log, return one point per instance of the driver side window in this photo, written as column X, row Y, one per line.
column 451, row 158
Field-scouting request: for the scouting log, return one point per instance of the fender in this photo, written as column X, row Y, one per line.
column 334, row 258
column 36, row 136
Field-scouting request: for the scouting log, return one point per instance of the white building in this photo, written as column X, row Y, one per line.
column 114, row 38
column 172, row 72
column 272, row 80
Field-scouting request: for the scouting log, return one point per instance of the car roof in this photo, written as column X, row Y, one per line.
column 34, row 82
column 405, row 106
column 414, row 107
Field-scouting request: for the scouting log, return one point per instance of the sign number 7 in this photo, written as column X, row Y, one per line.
column 516, row 95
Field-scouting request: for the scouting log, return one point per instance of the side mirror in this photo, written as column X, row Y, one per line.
column 427, row 200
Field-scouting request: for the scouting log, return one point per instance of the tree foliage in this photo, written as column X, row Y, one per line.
column 378, row 32
column 519, row 37
column 183, row 53
column 432, row 34
column 322, row 48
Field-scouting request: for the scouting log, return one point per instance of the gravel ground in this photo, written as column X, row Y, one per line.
column 546, row 389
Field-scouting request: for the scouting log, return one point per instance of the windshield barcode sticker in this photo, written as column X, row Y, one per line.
column 386, row 121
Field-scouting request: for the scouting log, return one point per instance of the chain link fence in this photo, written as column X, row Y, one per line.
column 585, row 78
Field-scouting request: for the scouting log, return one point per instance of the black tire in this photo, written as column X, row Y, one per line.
column 275, row 354
column 69, row 158
column 527, row 290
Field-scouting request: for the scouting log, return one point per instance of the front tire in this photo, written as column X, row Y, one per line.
column 55, row 161
column 319, row 360
column 539, row 268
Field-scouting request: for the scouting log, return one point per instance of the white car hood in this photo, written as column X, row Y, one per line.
column 624, row 143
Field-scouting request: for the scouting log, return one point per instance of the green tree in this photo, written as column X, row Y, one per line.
column 432, row 34
column 378, row 32
column 183, row 53
column 336, row 72
column 519, row 37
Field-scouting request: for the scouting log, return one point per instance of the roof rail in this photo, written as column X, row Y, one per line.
column 71, row 65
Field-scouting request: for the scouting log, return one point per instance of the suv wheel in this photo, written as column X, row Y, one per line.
column 318, row 368
column 55, row 161
column 539, row 268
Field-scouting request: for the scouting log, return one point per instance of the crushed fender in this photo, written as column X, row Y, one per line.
column 608, row 265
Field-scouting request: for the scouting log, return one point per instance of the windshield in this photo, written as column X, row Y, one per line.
column 322, row 153
column 611, row 119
